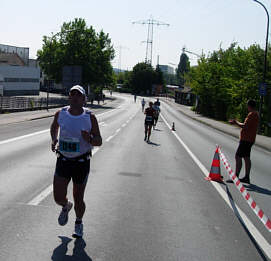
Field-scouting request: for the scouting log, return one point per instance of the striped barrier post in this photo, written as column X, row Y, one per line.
column 259, row 213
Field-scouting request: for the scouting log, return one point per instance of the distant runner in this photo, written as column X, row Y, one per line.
column 157, row 103
column 156, row 115
column 149, row 121
column 143, row 104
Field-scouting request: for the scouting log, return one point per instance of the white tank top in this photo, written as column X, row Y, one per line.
column 71, row 142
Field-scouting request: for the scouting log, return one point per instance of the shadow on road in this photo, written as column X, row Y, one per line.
column 237, row 214
column 258, row 189
column 152, row 143
column 78, row 253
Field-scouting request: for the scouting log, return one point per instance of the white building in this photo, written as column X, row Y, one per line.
column 20, row 80
column 166, row 69
column 19, row 75
column 23, row 52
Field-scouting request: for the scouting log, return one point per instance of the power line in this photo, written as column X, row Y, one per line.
column 150, row 22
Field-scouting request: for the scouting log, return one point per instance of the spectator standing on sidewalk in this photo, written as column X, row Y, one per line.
column 247, row 138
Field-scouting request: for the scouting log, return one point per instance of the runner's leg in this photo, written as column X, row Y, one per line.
column 149, row 131
column 60, row 186
column 79, row 204
column 146, row 130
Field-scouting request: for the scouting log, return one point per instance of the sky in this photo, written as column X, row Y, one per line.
column 201, row 26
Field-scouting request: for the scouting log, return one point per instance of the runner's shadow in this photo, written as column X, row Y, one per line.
column 258, row 189
column 78, row 253
column 152, row 143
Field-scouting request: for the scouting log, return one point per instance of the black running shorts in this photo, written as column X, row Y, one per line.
column 244, row 149
column 78, row 171
column 149, row 122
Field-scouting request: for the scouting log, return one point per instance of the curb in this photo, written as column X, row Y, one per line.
column 40, row 116
column 262, row 146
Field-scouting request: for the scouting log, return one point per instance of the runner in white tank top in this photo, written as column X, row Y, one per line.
column 79, row 132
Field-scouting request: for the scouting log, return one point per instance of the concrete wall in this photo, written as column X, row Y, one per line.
column 20, row 80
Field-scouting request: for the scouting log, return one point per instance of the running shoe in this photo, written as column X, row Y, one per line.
column 64, row 214
column 245, row 180
column 78, row 230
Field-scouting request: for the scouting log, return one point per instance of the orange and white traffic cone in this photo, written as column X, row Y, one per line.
column 214, row 174
column 173, row 127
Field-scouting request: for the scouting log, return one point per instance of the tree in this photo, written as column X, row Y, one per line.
column 226, row 79
column 183, row 67
column 77, row 44
column 142, row 78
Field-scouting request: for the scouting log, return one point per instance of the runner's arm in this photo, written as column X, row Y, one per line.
column 95, row 135
column 54, row 131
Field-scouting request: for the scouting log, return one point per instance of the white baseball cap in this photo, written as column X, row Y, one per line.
column 78, row 88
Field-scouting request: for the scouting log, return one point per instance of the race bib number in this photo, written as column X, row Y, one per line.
column 69, row 145
column 148, row 118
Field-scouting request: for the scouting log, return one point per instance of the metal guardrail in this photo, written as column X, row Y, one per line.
column 15, row 103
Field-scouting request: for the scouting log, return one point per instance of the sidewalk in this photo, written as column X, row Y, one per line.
column 261, row 141
column 14, row 117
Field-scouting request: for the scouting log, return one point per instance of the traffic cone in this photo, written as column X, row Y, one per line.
column 214, row 174
column 173, row 127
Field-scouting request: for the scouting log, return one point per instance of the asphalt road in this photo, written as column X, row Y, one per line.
column 144, row 201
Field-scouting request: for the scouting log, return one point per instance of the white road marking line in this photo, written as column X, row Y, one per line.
column 43, row 131
column 102, row 124
column 101, row 114
column 24, row 136
column 109, row 138
column 35, row 201
column 118, row 130
column 262, row 242
column 123, row 125
column 46, row 192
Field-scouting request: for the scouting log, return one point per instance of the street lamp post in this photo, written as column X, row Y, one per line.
column 50, row 63
column 265, row 61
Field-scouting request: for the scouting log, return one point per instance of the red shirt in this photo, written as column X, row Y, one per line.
column 249, row 131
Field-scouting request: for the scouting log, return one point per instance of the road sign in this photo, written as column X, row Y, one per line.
column 71, row 75
column 262, row 89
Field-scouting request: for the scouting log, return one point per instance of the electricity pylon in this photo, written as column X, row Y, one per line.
column 150, row 22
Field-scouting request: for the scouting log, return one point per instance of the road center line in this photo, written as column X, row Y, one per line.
column 24, row 136
column 109, row 138
column 262, row 242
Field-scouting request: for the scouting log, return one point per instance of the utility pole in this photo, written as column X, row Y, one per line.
column 150, row 22
column 263, row 84
column 121, row 47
